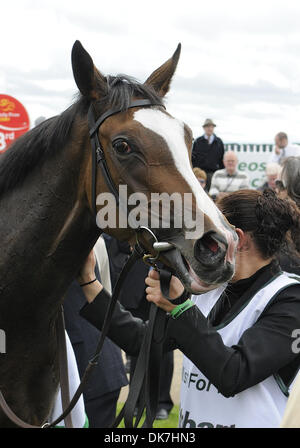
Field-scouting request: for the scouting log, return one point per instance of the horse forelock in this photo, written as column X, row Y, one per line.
column 121, row 89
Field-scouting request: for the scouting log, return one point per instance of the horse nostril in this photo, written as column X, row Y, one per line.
column 209, row 243
column 210, row 249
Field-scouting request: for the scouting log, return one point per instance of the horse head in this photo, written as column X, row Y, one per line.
column 148, row 151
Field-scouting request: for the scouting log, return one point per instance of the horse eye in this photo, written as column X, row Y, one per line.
column 121, row 147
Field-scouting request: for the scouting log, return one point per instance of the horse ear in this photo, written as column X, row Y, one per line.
column 89, row 80
column 161, row 78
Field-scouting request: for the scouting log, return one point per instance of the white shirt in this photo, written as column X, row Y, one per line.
column 103, row 263
column 288, row 151
column 210, row 139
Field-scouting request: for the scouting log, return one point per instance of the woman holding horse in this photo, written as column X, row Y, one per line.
column 237, row 340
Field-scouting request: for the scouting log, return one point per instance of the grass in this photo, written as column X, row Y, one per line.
column 172, row 421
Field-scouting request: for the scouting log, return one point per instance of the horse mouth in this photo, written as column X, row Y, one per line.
column 201, row 265
column 197, row 285
column 182, row 268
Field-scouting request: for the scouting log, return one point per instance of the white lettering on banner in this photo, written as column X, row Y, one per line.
column 9, row 114
column 186, row 422
column 2, row 141
column 4, row 137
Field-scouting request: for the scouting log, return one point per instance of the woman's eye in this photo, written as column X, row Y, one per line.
column 122, row 147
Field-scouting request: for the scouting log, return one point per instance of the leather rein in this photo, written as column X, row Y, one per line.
column 140, row 387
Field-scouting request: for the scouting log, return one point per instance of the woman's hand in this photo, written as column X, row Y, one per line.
column 155, row 295
column 86, row 275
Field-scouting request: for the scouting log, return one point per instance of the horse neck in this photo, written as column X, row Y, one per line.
column 48, row 229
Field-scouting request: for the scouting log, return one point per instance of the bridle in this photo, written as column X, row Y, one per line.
column 141, row 379
column 98, row 156
column 98, row 159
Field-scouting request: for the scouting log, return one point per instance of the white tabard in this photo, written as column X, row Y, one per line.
column 260, row 406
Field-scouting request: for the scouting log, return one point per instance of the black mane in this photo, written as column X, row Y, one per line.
column 48, row 138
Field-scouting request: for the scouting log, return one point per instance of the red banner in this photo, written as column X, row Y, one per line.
column 14, row 121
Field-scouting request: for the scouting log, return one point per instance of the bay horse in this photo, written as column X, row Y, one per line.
column 48, row 226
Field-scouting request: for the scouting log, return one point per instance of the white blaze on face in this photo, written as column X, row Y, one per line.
column 172, row 131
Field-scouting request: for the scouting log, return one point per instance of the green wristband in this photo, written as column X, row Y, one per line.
column 176, row 312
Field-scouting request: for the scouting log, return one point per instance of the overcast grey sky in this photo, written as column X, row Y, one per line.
column 240, row 62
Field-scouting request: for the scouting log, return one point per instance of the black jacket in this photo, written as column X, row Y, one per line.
column 264, row 349
column 208, row 157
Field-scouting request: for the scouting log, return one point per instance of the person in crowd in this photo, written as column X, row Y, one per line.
column 208, row 151
column 201, row 177
column 107, row 379
column 283, row 149
column 236, row 339
column 228, row 179
column 133, row 298
column 273, row 171
column 290, row 178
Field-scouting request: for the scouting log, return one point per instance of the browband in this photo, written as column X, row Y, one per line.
column 110, row 112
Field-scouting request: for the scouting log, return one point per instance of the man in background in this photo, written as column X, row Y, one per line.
column 283, row 149
column 228, row 179
column 208, row 151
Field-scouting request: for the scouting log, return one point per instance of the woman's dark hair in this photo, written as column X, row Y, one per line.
column 272, row 222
